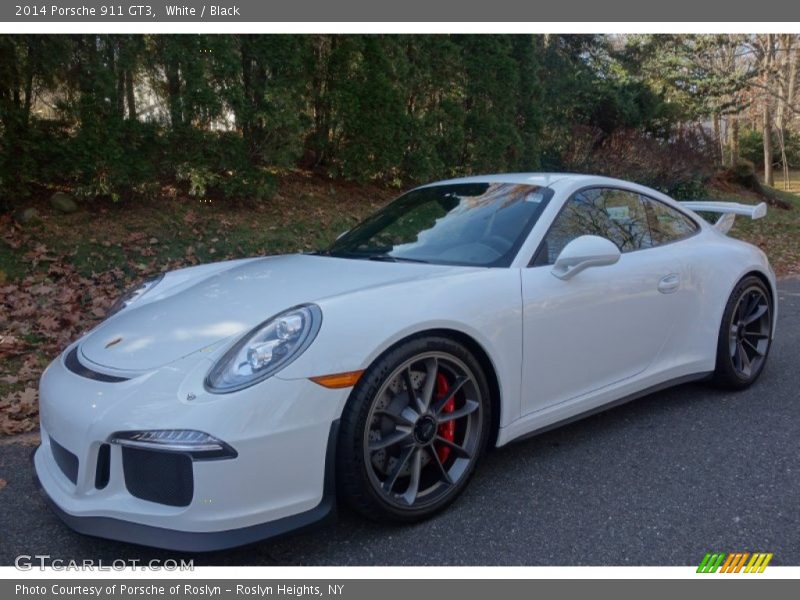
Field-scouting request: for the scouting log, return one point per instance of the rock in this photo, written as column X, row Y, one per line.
column 26, row 215
column 63, row 203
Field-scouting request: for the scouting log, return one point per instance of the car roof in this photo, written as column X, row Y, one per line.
column 538, row 179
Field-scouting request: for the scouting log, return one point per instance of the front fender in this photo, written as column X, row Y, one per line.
column 483, row 304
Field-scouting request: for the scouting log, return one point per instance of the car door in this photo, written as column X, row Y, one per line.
column 668, row 228
column 606, row 324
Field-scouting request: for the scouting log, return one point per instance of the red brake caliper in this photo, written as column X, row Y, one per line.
column 446, row 430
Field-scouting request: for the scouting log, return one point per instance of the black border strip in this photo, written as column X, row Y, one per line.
column 73, row 364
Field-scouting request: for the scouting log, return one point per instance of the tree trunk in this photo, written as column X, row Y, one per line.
column 791, row 81
column 766, row 125
column 245, row 116
column 718, row 137
column 769, row 178
column 784, row 161
column 171, row 66
column 734, row 140
column 174, row 92
column 785, row 83
column 112, row 45
column 28, row 102
column 318, row 142
column 130, row 95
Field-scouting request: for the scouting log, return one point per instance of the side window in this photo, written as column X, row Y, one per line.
column 666, row 223
column 614, row 214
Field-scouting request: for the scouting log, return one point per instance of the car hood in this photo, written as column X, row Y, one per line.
column 170, row 324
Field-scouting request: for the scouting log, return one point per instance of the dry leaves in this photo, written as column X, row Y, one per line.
column 18, row 411
column 40, row 315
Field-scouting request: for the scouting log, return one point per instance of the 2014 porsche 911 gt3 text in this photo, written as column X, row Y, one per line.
column 231, row 402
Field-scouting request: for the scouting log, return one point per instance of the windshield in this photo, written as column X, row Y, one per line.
column 473, row 224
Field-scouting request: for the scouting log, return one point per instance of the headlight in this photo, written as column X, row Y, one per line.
column 265, row 350
column 133, row 294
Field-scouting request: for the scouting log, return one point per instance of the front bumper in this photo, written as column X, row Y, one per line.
column 207, row 541
column 281, row 480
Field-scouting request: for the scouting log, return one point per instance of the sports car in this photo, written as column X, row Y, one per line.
column 223, row 404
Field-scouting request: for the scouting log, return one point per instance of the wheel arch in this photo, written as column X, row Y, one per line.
column 773, row 296
column 480, row 354
column 771, row 290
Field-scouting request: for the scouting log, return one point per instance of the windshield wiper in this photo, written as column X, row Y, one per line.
column 390, row 258
column 383, row 256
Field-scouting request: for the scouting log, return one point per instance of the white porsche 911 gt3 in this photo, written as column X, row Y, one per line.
column 227, row 403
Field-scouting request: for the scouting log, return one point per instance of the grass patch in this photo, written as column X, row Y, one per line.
column 792, row 184
column 305, row 214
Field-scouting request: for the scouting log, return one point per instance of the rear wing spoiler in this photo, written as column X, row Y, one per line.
column 728, row 210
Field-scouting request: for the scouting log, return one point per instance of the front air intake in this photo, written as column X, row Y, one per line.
column 158, row 476
column 103, row 468
column 66, row 460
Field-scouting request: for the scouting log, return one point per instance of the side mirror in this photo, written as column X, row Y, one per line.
column 584, row 252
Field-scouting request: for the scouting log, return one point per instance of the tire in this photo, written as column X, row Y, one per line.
column 388, row 440
column 745, row 335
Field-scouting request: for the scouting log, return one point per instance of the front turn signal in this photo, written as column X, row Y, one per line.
column 338, row 380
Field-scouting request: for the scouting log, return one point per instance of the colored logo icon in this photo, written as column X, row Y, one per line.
column 734, row 562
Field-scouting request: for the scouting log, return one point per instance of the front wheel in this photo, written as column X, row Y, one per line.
column 413, row 430
column 745, row 335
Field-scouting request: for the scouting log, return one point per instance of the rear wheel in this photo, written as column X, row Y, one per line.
column 413, row 430
column 745, row 335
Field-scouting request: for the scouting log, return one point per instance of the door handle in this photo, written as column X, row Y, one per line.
column 669, row 283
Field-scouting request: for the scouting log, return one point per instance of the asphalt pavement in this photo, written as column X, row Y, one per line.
column 659, row 481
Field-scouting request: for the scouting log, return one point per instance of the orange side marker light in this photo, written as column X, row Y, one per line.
column 338, row 380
